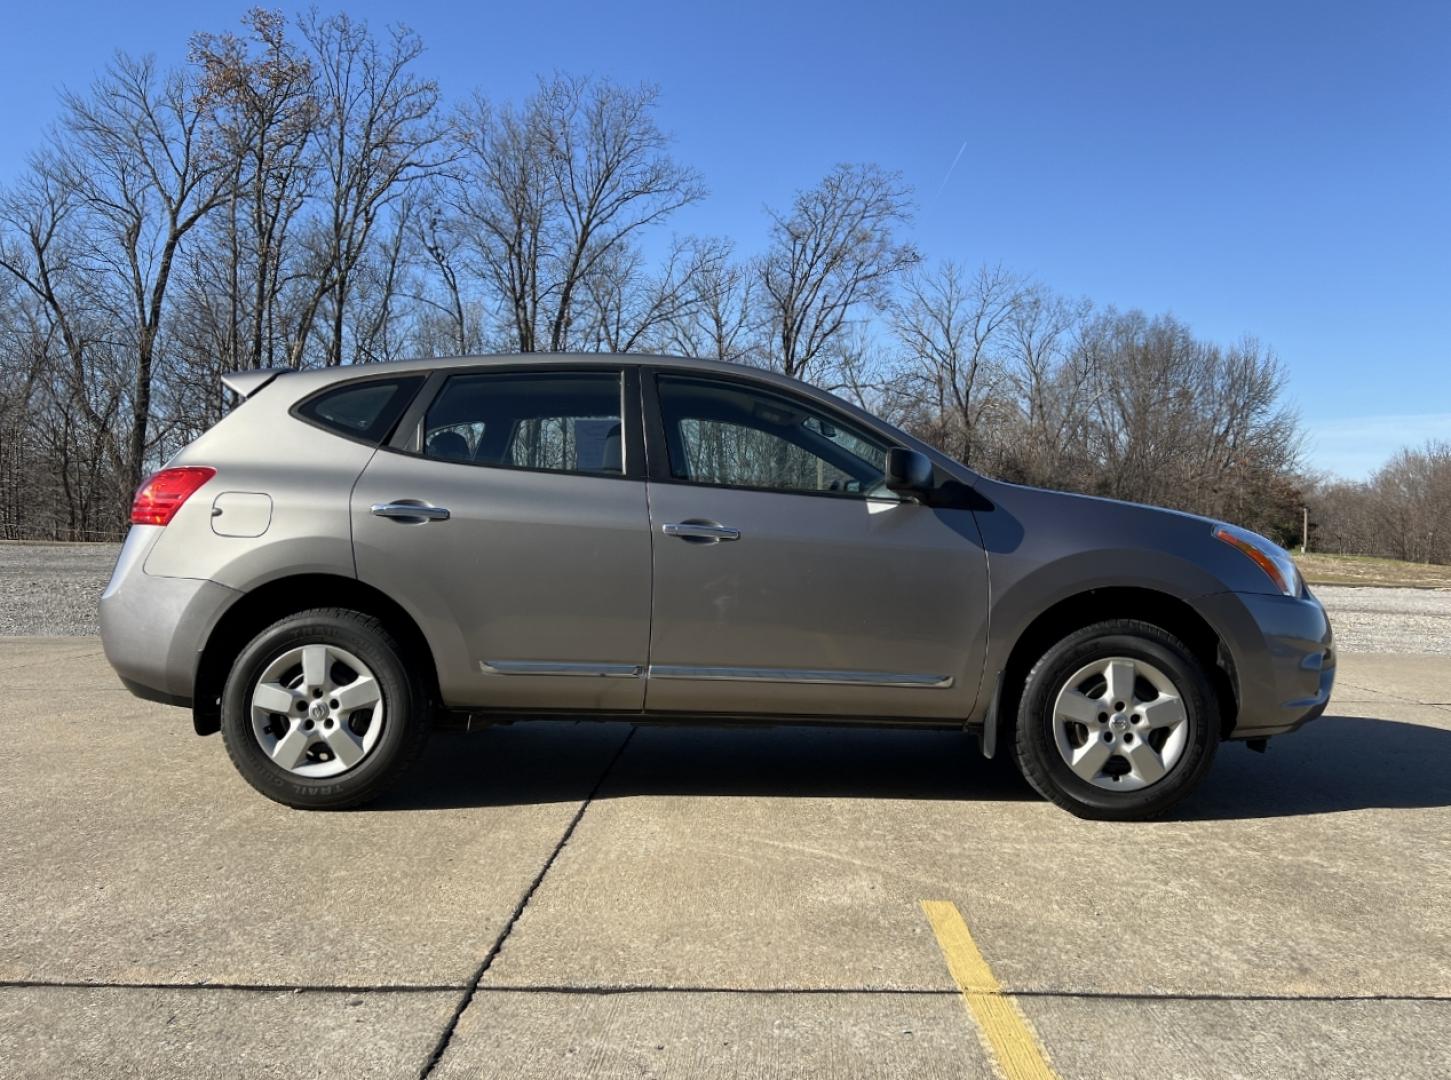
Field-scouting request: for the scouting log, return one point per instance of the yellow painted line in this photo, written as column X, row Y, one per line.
column 1003, row 1027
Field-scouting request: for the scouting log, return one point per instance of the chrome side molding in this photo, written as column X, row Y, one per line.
column 722, row 674
column 559, row 667
column 796, row 675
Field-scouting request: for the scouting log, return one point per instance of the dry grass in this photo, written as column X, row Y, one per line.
column 1368, row 570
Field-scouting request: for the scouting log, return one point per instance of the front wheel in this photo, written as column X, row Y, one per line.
column 320, row 711
column 1117, row 722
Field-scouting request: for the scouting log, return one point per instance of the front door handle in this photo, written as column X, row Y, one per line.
column 409, row 511
column 701, row 530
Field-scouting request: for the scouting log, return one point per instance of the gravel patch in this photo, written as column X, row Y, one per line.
column 52, row 589
column 1406, row 621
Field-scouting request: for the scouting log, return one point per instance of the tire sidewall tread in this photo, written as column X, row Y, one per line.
column 1038, row 757
column 406, row 715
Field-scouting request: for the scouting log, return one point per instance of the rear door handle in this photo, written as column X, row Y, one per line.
column 701, row 530
column 410, row 511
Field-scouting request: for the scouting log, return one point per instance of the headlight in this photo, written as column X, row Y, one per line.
column 1274, row 560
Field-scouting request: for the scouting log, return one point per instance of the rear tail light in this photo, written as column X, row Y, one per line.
column 158, row 500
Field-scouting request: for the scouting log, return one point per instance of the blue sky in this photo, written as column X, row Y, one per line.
column 1274, row 169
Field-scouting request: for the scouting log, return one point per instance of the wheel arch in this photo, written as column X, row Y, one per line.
column 1085, row 608
column 258, row 608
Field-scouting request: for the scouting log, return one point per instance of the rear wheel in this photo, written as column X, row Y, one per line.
column 1117, row 722
column 320, row 711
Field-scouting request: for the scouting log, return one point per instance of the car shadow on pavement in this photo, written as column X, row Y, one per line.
column 1335, row 763
column 542, row 762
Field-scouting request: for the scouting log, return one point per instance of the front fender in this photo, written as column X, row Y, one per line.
column 1045, row 548
column 1021, row 594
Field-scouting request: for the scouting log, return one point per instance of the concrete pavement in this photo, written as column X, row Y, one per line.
column 586, row 900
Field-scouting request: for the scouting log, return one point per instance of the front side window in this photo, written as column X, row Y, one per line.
column 554, row 421
column 736, row 436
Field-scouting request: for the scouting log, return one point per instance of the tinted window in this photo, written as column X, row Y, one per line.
column 366, row 409
column 729, row 434
column 559, row 421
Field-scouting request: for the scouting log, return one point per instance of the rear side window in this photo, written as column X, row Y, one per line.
column 554, row 421
column 365, row 410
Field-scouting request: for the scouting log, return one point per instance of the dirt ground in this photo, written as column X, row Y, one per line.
column 1367, row 570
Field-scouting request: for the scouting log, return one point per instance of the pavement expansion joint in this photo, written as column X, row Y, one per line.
column 603, row 990
column 606, row 990
column 473, row 986
column 254, row 988
column 1289, row 998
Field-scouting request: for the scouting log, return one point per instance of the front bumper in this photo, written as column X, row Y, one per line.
column 152, row 627
column 1283, row 652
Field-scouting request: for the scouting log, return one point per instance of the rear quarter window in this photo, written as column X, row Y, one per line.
column 365, row 410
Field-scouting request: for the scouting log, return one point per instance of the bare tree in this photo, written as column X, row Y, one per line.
column 442, row 246
column 64, row 383
column 502, row 205
column 1402, row 511
column 95, row 237
column 1249, row 440
column 376, row 135
column 952, row 331
column 721, row 324
column 862, row 370
column 260, row 92
column 834, row 253
column 379, row 324
column 1182, row 422
column 139, row 162
column 1053, row 379
column 1412, row 492
column 555, row 192
column 629, row 308
column 40, row 254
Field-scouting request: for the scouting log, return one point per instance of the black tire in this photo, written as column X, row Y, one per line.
column 406, row 721
column 1044, row 766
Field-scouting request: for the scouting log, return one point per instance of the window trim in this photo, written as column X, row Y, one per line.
column 658, row 443
column 408, row 435
column 417, row 379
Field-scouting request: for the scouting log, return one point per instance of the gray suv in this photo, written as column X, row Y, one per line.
column 353, row 554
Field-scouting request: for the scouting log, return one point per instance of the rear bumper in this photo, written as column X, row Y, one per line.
column 1284, row 657
column 153, row 628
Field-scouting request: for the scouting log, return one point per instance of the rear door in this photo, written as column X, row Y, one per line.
column 787, row 579
column 509, row 518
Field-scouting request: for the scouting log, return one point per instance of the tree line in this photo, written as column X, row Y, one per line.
column 300, row 194
column 1403, row 510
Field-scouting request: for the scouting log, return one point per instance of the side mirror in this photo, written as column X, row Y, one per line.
column 908, row 473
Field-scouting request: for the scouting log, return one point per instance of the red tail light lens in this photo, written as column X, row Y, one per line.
column 158, row 500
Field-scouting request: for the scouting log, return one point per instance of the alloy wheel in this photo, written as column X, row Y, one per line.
column 1120, row 724
column 317, row 710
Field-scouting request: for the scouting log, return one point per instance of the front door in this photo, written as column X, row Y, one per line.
column 788, row 580
column 516, row 534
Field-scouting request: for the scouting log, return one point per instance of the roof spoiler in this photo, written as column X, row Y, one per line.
column 246, row 383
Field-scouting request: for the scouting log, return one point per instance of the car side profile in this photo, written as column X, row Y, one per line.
column 354, row 553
